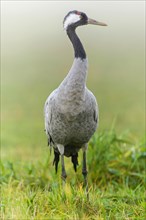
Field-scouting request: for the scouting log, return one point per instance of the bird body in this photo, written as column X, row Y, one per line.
column 71, row 111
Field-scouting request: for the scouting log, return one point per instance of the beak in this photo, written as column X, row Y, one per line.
column 91, row 21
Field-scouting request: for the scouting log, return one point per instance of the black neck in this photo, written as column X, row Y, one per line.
column 78, row 47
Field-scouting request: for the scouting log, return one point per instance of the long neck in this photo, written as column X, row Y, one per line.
column 78, row 47
column 73, row 86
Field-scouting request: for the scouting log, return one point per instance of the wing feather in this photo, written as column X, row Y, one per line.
column 48, row 116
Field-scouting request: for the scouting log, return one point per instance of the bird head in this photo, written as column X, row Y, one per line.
column 75, row 18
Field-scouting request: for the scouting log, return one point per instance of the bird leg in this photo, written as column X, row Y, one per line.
column 74, row 159
column 56, row 160
column 61, row 151
column 63, row 174
column 85, row 172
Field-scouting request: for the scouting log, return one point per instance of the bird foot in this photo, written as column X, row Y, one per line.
column 63, row 176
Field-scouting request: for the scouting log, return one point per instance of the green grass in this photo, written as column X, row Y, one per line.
column 32, row 190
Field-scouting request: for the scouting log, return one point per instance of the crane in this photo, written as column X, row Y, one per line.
column 71, row 110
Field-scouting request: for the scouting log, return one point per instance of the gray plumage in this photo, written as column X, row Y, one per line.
column 71, row 111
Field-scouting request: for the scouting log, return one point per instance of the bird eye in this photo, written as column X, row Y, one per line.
column 83, row 16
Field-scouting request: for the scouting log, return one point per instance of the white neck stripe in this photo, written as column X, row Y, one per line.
column 72, row 18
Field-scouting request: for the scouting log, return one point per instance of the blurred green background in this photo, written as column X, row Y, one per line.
column 36, row 55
